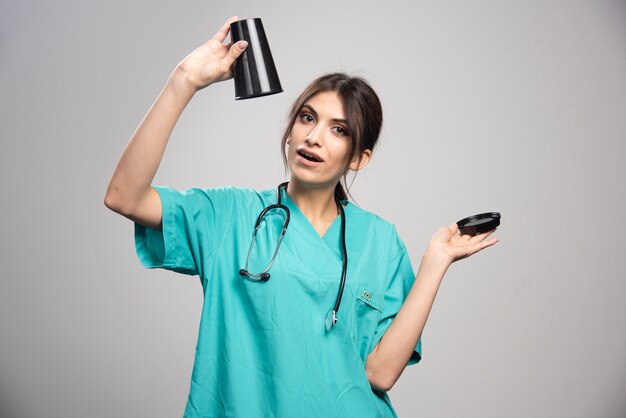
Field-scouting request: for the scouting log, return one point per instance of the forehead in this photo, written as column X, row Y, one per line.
column 327, row 104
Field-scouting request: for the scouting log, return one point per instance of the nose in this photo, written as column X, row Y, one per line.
column 314, row 137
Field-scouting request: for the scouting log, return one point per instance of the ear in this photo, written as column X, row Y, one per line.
column 358, row 163
column 288, row 139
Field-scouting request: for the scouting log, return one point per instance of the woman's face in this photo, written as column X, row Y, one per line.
column 320, row 141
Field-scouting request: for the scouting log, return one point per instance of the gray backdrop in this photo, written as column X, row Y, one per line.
column 516, row 106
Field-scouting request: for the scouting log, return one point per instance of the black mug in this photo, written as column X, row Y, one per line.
column 255, row 73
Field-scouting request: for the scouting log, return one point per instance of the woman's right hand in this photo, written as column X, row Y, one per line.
column 213, row 61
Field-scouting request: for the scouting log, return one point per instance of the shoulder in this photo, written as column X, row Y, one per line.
column 365, row 215
column 373, row 227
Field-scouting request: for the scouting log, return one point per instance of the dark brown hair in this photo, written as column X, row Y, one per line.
column 363, row 111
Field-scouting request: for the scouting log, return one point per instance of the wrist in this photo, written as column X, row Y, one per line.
column 180, row 84
column 435, row 262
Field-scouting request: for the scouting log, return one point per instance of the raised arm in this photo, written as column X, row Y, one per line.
column 130, row 192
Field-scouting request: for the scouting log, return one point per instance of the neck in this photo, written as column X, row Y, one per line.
column 317, row 204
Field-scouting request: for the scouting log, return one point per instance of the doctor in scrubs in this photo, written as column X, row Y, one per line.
column 311, row 309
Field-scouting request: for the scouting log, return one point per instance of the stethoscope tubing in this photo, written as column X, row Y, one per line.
column 331, row 317
column 344, row 254
column 262, row 276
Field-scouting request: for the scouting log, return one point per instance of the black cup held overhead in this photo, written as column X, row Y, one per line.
column 255, row 73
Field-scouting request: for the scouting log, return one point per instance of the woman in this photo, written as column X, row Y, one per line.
column 319, row 322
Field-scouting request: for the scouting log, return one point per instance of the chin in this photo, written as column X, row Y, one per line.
column 310, row 178
column 312, row 182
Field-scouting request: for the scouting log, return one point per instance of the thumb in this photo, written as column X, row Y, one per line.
column 454, row 229
column 234, row 52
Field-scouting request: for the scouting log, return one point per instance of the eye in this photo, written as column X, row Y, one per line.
column 305, row 117
column 341, row 130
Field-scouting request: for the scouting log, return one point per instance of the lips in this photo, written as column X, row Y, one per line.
column 309, row 155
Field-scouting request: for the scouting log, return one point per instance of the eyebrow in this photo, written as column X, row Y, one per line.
column 310, row 108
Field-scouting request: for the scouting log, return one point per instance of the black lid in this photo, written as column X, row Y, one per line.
column 477, row 224
column 255, row 73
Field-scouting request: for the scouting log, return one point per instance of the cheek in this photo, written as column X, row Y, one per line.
column 341, row 155
column 291, row 154
column 296, row 130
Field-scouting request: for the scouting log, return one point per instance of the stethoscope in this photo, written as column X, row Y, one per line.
column 331, row 316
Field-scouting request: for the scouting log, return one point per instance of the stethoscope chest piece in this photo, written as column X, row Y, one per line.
column 331, row 319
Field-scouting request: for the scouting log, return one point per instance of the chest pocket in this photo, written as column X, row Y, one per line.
column 368, row 310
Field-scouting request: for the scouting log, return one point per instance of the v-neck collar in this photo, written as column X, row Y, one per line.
column 304, row 221
column 331, row 240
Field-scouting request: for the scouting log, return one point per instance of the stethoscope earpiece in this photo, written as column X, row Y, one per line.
column 261, row 277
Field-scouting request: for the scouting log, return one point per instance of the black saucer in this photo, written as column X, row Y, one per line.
column 477, row 224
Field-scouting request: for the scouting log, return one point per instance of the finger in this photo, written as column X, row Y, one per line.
column 454, row 228
column 223, row 32
column 234, row 52
column 481, row 237
column 443, row 234
column 484, row 244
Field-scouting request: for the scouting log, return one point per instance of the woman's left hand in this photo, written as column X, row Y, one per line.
column 448, row 245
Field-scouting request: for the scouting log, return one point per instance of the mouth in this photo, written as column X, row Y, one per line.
column 308, row 155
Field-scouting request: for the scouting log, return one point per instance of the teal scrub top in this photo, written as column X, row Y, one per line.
column 263, row 349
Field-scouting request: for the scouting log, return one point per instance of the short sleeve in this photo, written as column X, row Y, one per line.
column 193, row 223
column 401, row 277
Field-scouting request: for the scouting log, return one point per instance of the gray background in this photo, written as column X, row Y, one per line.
column 515, row 106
